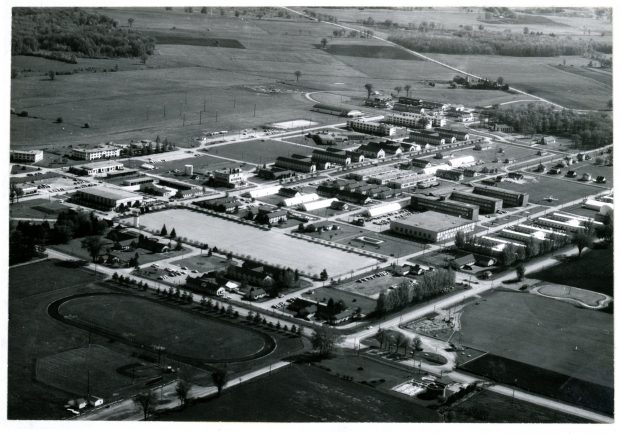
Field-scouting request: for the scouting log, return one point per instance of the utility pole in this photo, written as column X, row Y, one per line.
column 164, row 110
column 183, row 119
column 204, row 104
column 254, row 110
column 200, row 122
column 234, row 102
column 216, row 116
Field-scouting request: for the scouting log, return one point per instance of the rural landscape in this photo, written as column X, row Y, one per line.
column 311, row 214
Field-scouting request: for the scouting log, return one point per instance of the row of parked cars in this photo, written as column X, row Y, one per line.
column 372, row 276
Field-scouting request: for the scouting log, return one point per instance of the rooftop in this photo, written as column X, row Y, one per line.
column 110, row 193
column 98, row 164
column 434, row 221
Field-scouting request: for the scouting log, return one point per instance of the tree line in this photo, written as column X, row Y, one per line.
column 429, row 285
column 493, row 43
column 72, row 30
column 588, row 130
column 27, row 239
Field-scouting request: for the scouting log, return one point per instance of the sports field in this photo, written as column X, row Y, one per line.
column 259, row 151
column 150, row 324
column 542, row 332
column 271, row 246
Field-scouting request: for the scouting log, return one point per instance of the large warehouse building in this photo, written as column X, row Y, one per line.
column 107, row 198
column 431, row 226
column 444, row 206
column 488, row 205
column 509, row 197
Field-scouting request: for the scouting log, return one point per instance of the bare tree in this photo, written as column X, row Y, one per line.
column 323, row 43
column 368, row 87
column 145, row 401
column 398, row 89
column 407, row 89
column 297, row 75
column 130, row 21
column 94, row 245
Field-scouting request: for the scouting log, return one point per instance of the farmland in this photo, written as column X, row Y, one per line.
column 147, row 324
column 271, row 246
column 541, row 332
column 304, row 394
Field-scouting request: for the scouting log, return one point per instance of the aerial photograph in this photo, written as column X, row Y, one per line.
column 310, row 214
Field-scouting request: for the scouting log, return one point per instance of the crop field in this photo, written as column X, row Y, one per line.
column 271, row 246
column 538, row 76
column 304, row 394
column 541, row 332
column 593, row 271
column 95, row 368
column 558, row 186
column 151, row 324
column 370, row 51
column 259, row 151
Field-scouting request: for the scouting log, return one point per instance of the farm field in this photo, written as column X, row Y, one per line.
column 271, row 246
column 304, row 394
column 593, row 271
column 538, row 331
column 538, row 76
column 149, row 323
column 491, row 407
column 557, row 186
column 259, row 151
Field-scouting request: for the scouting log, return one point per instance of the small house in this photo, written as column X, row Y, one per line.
column 463, row 261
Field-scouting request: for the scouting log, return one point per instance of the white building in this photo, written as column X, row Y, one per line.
column 95, row 153
column 32, row 156
column 262, row 192
column 383, row 209
column 229, row 176
column 433, row 169
column 298, row 200
column 317, row 204
column 98, row 168
column 371, row 127
column 464, row 161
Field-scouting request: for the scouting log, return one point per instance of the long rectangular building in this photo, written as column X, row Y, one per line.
column 445, row 206
column 32, row 156
column 510, row 198
column 431, row 226
column 106, row 197
column 371, row 127
column 298, row 163
column 488, row 205
column 95, row 153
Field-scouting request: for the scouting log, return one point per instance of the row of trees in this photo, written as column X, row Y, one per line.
column 27, row 239
column 394, row 340
column 74, row 31
column 494, row 43
column 429, row 285
column 588, row 130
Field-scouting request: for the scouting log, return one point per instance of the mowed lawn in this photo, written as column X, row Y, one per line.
column 271, row 246
column 44, row 276
column 259, row 151
column 542, row 332
column 150, row 323
column 593, row 271
column 304, row 394
column 560, row 187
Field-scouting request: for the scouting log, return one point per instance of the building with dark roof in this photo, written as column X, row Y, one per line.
column 510, row 197
column 297, row 163
column 445, row 206
column 336, row 110
column 488, row 205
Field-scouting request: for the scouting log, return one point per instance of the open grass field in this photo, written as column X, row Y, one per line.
column 36, row 208
column 491, row 407
column 26, row 280
column 544, row 382
column 152, row 324
column 259, row 151
column 96, row 368
column 33, row 334
column 271, row 246
column 541, row 332
column 593, row 271
column 304, row 394
column 538, row 76
column 558, row 186
column 203, row 263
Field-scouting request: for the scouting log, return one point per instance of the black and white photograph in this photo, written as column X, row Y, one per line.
column 308, row 213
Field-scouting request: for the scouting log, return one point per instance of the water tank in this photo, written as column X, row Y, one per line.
column 607, row 209
column 189, row 169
